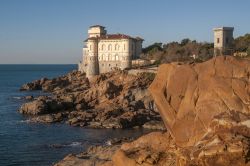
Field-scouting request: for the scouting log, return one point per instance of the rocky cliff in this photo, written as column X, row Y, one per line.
column 206, row 109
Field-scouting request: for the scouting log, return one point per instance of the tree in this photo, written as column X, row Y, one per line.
column 185, row 41
column 242, row 43
column 152, row 48
column 174, row 51
column 248, row 51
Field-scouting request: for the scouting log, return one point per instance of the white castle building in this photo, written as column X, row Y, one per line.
column 104, row 52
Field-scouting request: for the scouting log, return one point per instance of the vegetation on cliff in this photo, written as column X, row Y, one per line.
column 175, row 51
column 242, row 43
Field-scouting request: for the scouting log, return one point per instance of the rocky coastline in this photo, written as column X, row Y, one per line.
column 111, row 100
column 208, row 127
column 205, row 108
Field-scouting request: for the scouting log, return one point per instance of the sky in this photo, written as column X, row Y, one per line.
column 53, row 31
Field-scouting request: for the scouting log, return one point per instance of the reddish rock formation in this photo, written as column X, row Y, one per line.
column 191, row 97
column 206, row 109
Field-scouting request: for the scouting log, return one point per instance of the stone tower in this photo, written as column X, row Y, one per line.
column 92, row 58
column 126, row 62
column 94, row 32
column 223, row 41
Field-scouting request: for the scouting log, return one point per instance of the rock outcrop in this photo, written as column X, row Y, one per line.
column 191, row 98
column 97, row 155
column 206, row 109
column 112, row 100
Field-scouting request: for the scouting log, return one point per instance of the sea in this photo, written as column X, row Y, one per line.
column 23, row 143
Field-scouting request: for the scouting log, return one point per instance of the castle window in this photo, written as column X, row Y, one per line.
column 116, row 57
column 218, row 40
column 116, row 47
column 90, row 47
column 110, row 47
column 124, row 47
column 109, row 64
column 113, row 58
column 103, row 47
column 226, row 40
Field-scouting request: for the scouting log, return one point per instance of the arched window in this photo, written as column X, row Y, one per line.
column 90, row 47
column 110, row 47
column 116, row 47
column 103, row 47
column 102, row 57
column 107, row 58
column 116, row 57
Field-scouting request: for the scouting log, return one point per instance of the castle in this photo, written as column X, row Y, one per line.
column 104, row 52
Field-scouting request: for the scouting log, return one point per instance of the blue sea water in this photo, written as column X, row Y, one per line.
column 35, row 144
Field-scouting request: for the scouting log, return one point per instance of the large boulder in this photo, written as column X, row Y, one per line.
column 36, row 107
column 191, row 98
column 152, row 149
column 42, row 105
column 31, row 86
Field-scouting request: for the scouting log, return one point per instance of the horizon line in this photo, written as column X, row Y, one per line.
column 38, row 64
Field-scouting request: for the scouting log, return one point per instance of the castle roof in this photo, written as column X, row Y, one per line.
column 113, row 37
column 224, row 28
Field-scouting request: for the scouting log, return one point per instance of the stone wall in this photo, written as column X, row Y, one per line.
column 106, row 66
